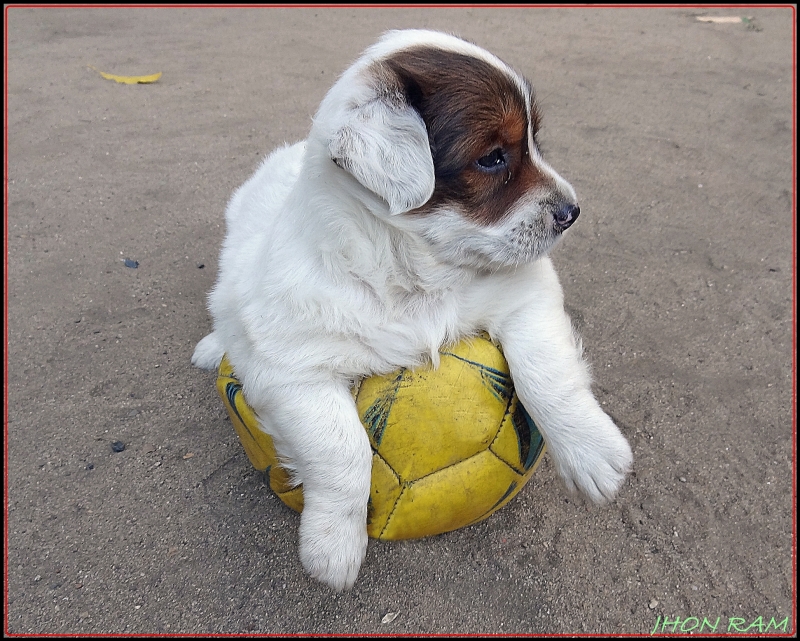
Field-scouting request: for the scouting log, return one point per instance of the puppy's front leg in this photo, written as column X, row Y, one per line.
column 553, row 383
column 316, row 426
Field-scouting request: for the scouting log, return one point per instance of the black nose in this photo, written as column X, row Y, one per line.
column 566, row 214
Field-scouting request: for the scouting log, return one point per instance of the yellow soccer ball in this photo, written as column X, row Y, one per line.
column 450, row 446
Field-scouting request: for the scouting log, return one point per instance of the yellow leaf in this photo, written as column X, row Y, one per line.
column 129, row 80
column 721, row 19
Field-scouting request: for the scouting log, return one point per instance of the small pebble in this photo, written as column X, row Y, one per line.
column 653, row 604
column 118, row 446
column 682, row 479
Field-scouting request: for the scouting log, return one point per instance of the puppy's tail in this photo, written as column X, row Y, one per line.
column 208, row 353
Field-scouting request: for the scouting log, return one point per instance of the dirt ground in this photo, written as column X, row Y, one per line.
column 678, row 137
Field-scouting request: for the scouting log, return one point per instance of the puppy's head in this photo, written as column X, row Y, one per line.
column 446, row 134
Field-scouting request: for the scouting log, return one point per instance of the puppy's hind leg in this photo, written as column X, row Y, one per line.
column 318, row 430
column 208, row 353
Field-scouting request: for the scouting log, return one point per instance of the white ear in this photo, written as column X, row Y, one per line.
column 383, row 143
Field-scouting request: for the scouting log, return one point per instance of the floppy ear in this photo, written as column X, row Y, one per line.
column 383, row 143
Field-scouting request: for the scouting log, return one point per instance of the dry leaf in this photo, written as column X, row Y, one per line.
column 720, row 19
column 188, row 455
column 129, row 80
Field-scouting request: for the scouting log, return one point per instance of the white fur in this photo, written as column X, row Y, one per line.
column 322, row 280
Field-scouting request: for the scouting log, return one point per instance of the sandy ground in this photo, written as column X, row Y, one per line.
column 678, row 137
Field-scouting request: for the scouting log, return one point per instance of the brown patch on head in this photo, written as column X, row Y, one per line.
column 474, row 114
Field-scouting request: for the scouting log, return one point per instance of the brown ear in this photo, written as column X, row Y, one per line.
column 383, row 143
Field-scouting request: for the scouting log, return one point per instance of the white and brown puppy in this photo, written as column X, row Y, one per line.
column 418, row 211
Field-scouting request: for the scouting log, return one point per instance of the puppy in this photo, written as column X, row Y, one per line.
column 419, row 211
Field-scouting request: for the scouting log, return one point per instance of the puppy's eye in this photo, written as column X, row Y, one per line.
column 494, row 161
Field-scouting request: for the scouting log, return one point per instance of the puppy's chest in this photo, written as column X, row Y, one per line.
column 404, row 329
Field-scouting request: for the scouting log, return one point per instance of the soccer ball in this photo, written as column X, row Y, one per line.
column 450, row 446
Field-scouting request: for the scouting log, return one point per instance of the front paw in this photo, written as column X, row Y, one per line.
column 332, row 547
column 596, row 462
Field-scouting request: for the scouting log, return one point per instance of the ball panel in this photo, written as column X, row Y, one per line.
column 488, row 362
column 513, row 491
column 519, row 442
column 291, row 496
column 256, row 443
column 458, row 495
column 382, row 496
column 481, row 352
column 456, row 430
column 449, row 431
column 530, row 438
column 374, row 398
